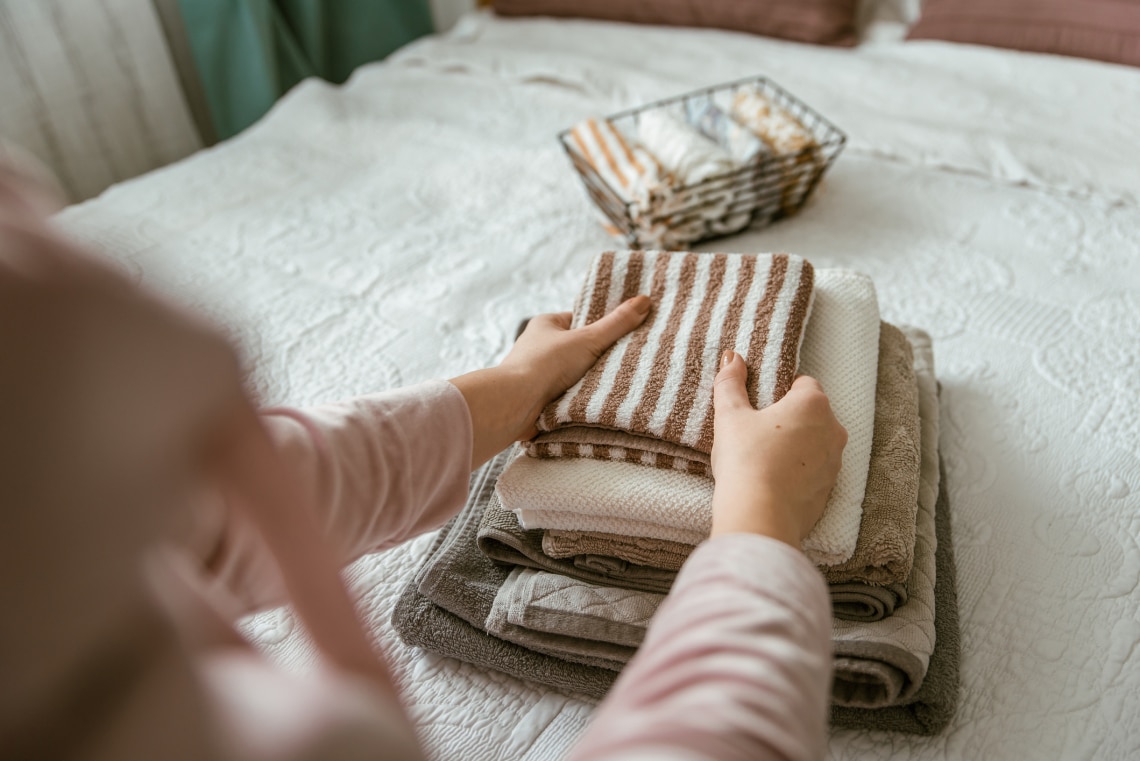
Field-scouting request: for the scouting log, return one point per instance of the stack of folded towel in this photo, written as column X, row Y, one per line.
column 677, row 172
column 568, row 544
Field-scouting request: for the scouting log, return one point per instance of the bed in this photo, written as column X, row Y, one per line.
column 398, row 228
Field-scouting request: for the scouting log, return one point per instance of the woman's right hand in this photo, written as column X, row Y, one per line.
column 774, row 468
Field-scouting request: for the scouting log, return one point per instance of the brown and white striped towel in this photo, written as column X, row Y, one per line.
column 604, row 444
column 632, row 172
column 657, row 380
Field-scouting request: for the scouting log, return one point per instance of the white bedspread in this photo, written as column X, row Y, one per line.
column 398, row 228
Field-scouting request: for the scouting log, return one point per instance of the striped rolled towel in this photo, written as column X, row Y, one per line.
column 786, row 136
column 646, row 190
column 656, row 382
column 632, row 172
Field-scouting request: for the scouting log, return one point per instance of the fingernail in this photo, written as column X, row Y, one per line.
column 642, row 306
column 726, row 358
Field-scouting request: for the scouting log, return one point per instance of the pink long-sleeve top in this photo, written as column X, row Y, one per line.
column 737, row 663
column 110, row 650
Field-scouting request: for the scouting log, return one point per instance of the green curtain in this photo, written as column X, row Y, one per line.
column 249, row 52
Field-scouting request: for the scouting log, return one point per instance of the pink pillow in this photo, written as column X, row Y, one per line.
column 1104, row 30
column 824, row 22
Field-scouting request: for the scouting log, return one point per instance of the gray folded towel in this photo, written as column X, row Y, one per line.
column 464, row 582
column 932, row 707
column 865, row 602
column 422, row 622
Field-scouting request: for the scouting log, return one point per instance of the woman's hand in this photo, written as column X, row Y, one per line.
column 774, row 468
column 548, row 358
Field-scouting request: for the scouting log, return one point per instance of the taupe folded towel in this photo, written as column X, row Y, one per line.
column 866, row 602
column 884, row 552
column 501, row 539
column 657, row 380
column 528, row 612
column 599, row 548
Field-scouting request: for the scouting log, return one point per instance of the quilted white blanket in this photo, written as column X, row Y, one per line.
column 396, row 229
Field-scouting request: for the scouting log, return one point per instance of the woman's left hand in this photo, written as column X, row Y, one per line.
column 548, row 358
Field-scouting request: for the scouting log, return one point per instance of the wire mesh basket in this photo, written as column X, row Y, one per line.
column 757, row 191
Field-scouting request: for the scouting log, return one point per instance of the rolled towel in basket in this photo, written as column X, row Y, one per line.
column 642, row 203
column 685, row 152
column 779, row 129
column 786, row 136
column 631, row 172
column 694, row 159
column 657, row 380
column 742, row 144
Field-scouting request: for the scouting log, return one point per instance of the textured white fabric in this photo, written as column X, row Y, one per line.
column 688, row 154
column 841, row 351
column 615, row 497
column 91, row 91
column 691, row 157
column 397, row 229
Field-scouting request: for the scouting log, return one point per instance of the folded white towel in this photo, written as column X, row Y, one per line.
column 840, row 349
column 692, row 158
column 681, row 149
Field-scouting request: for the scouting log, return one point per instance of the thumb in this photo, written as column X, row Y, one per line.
column 627, row 316
column 729, row 391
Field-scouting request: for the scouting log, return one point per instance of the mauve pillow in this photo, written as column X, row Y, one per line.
column 824, row 22
column 1105, row 30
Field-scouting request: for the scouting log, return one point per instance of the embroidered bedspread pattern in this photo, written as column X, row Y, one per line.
column 350, row 258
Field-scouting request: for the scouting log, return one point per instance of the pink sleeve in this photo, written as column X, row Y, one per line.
column 376, row 470
column 736, row 664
